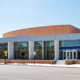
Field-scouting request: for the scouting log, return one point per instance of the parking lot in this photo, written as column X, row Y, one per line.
column 10, row 72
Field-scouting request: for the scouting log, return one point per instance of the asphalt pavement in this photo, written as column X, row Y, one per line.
column 11, row 72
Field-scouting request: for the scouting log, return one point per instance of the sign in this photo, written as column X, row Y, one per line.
column 5, row 52
column 34, row 53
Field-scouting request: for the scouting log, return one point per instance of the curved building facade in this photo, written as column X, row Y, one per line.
column 58, row 42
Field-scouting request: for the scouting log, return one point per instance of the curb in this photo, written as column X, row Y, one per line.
column 41, row 65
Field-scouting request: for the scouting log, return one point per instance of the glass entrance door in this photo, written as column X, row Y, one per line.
column 70, row 54
column 74, row 55
column 64, row 55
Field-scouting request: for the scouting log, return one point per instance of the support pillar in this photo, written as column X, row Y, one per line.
column 31, row 50
column 56, row 49
column 10, row 50
column 42, row 50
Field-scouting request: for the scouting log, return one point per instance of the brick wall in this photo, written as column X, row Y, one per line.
column 29, row 61
column 45, row 30
column 72, row 62
column 74, row 30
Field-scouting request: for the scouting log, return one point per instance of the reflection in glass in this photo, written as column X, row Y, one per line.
column 71, row 55
column 21, row 50
column 15, row 54
column 78, row 54
column 26, row 54
column 49, row 50
column 15, row 48
column 67, row 43
column 52, row 54
column 60, row 54
column 78, row 42
column 67, row 55
column 63, row 43
column 15, row 44
column 64, row 55
column 74, row 55
column 3, row 47
column 74, row 43
column 38, row 49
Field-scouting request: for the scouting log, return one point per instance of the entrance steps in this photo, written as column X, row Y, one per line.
column 60, row 62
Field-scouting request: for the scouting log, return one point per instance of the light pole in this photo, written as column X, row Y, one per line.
column 34, row 57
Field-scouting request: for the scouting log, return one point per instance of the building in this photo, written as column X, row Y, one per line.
column 49, row 42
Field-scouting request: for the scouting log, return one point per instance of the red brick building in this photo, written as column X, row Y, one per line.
column 57, row 42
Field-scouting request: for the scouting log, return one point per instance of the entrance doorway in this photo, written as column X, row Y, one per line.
column 70, row 54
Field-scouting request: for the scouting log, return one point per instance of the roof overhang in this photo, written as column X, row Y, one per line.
column 41, row 38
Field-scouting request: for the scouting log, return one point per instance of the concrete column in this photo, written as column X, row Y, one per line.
column 10, row 50
column 42, row 50
column 31, row 50
column 56, row 49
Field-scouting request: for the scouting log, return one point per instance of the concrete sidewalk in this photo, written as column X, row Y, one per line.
column 43, row 65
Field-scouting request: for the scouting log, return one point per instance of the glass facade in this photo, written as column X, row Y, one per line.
column 3, row 47
column 70, row 45
column 60, row 54
column 21, row 50
column 78, row 54
column 38, row 49
column 67, row 43
column 49, row 50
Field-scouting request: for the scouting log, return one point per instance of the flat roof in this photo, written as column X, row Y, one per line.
column 41, row 38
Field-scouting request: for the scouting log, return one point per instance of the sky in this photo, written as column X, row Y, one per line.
column 21, row 14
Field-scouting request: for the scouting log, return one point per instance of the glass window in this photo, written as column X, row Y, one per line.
column 19, row 44
column 24, row 44
column 15, row 48
column 61, row 55
column 68, row 43
column 27, row 55
column 15, row 54
column 40, row 53
column 51, row 43
column 49, row 50
column 22, row 50
column 74, row 43
column 3, row 47
column 60, row 43
column 15, row 44
column 52, row 54
column 47, row 43
column 78, row 42
column 40, row 43
column 52, row 47
column 63, row 43
column 5, row 44
column 38, row 49
column 78, row 54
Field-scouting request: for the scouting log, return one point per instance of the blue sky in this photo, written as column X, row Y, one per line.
column 20, row 14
